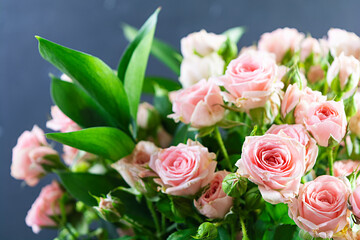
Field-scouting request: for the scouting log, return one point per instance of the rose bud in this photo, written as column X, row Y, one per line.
column 61, row 122
column 326, row 121
column 214, row 203
column 341, row 41
column 44, row 207
column 321, row 207
column 280, row 41
column 299, row 133
column 275, row 163
column 201, row 43
column 355, row 202
column 183, row 169
column 354, row 122
column 195, row 68
column 110, row 208
column 315, row 74
column 343, row 75
column 147, row 116
column 199, row 105
column 310, row 46
column 29, row 155
column 344, row 168
column 135, row 166
column 251, row 79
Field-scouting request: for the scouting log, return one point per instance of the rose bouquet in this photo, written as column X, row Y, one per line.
column 261, row 143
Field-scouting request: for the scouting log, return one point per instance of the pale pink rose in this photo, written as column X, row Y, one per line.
column 315, row 74
column 299, row 133
column 214, row 202
column 135, row 166
column 73, row 155
column 202, row 43
column 354, row 122
column 143, row 114
column 251, row 79
column 45, row 206
column 325, row 120
column 199, row 105
column 164, row 137
column 28, row 155
column 345, row 67
column 280, row 41
column 345, row 167
column 61, row 122
column 183, row 169
column 341, row 41
column 309, row 46
column 291, row 99
column 355, row 201
column 275, row 163
column 195, row 68
column 321, row 207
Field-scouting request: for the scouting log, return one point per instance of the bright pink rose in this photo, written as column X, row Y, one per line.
column 61, row 122
column 28, row 155
column 202, row 43
column 45, row 206
column 355, row 201
column 134, row 166
column 347, row 70
column 340, row 41
column 325, row 120
column 280, row 41
column 251, row 79
column 198, row 105
column 298, row 132
column 183, row 169
column 321, row 207
column 309, row 46
column 345, row 167
column 214, row 203
column 274, row 162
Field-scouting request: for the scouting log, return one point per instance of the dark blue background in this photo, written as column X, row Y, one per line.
column 93, row 26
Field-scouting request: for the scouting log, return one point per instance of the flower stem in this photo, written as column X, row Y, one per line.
column 153, row 214
column 331, row 160
column 243, row 229
column 222, row 147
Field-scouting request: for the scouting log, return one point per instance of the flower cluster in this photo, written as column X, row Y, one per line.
column 252, row 140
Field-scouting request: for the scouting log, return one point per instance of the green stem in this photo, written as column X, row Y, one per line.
column 331, row 161
column 154, row 215
column 163, row 223
column 222, row 147
column 243, row 229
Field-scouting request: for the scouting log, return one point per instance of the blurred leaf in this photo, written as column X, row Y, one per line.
column 163, row 105
column 285, row 232
column 107, row 142
column 234, row 34
column 77, row 105
column 180, row 135
column 133, row 63
column 279, row 213
column 162, row 51
column 94, row 76
column 223, row 234
column 183, row 234
column 167, row 84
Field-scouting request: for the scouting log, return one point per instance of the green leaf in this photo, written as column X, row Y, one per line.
column 234, row 34
column 162, row 51
column 181, row 134
column 285, row 232
column 93, row 75
column 207, row 231
column 223, row 234
column 107, row 142
column 133, row 63
column 183, row 234
column 234, row 185
column 163, row 105
column 79, row 185
column 77, row 105
column 279, row 213
column 164, row 83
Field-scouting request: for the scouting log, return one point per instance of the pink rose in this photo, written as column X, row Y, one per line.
column 299, row 133
column 340, row 41
column 202, row 43
column 195, row 68
column 28, row 155
column 315, row 74
column 183, row 169
column 251, row 79
column 320, row 208
column 164, row 137
column 325, row 120
column 73, row 155
column 355, row 201
column 347, row 70
column 199, row 105
column 134, row 166
column 275, row 163
column 45, row 206
column 214, row 203
column 61, row 122
column 309, row 46
column 280, row 41
column 345, row 167
column 354, row 122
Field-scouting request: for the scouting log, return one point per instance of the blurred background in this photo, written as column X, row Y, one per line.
column 94, row 26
